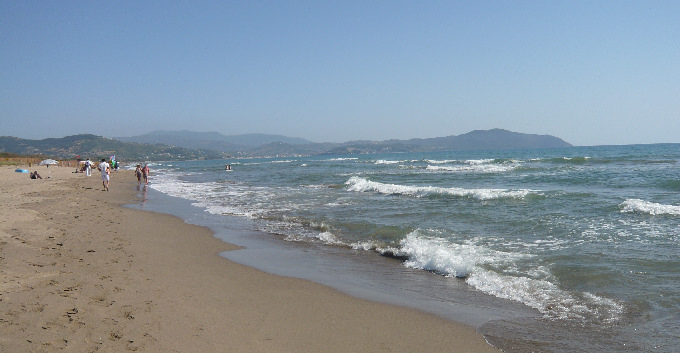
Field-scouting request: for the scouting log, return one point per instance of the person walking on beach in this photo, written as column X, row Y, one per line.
column 145, row 173
column 106, row 170
column 88, row 167
column 138, row 173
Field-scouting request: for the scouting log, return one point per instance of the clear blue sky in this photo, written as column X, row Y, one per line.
column 590, row 72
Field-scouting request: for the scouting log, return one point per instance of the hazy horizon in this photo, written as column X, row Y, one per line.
column 312, row 141
column 602, row 73
column 257, row 133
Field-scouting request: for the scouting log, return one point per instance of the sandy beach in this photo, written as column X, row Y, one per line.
column 81, row 273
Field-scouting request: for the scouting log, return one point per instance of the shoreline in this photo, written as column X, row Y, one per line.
column 83, row 272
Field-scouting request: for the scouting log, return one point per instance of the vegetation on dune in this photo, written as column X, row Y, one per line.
column 15, row 159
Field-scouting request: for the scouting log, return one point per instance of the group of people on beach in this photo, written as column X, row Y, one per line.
column 105, row 169
column 87, row 166
column 142, row 172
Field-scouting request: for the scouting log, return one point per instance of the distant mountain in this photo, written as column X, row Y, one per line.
column 276, row 145
column 254, row 140
column 96, row 147
column 213, row 140
column 182, row 145
column 494, row 139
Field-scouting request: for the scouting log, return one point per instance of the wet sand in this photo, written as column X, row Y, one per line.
column 81, row 273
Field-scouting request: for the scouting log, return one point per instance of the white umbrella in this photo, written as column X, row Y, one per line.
column 48, row 162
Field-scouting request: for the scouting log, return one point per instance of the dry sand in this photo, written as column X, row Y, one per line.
column 80, row 273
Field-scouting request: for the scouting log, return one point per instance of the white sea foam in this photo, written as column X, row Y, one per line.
column 436, row 161
column 547, row 297
column 383, row 161
column 202, row 194
column 641, row 206
column 438, row 255
column 471, row 261
column 364, row 185
column 226, row 210
column 343, row 159
column 479, row 161
column 169, row 183
column 329, row 238
column 475, row 168
column 371, row 245
column 364, row 245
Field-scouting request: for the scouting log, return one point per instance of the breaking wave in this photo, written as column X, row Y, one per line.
column 359, row 184
column 652, row 208
column 481, row 267
column 474, row 168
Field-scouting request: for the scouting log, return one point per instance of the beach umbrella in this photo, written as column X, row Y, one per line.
column 47, row 162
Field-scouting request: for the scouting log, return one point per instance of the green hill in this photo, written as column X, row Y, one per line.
column 96, row 147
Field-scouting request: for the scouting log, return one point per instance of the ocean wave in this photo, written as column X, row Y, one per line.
column 673, row 184
column 475, row 168
column 652, row 208
column 226, row 210
column 364, row 185
column 467, row 161
column 169, row 183
column 330, row 238
column 445, row 161
column 479, row 161
column 439, row 255
column 489, row 165
column 383, row 161
column 482, row 268
column 203, row 195
column 472, row 262
column 380, row 248
column 564, row 160
column 547, row 297
column 342, row 159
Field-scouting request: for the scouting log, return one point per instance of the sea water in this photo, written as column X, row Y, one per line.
column 585, row 238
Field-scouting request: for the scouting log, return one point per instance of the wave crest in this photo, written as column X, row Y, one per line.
column 471, row 262
column 474, row 168
column 359, row 184
column 652, row 208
